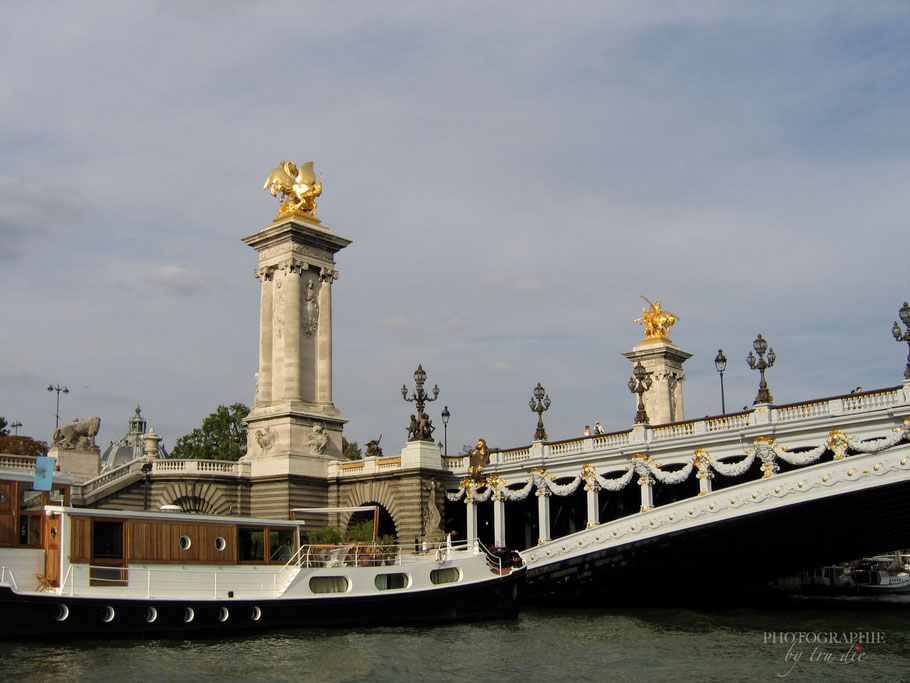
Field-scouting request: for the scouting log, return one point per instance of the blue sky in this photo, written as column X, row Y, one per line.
column 513, row 177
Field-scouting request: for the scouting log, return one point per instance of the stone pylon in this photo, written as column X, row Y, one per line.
column 663, row 360
column 294, row 429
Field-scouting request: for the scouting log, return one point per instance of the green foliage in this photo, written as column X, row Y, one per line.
column 4, row 427
column 351, row 450
column 22, row 445
column 221, row 437
column 330, row 535
column 360, row 532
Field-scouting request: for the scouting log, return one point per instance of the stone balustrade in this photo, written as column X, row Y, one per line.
column 819, row 415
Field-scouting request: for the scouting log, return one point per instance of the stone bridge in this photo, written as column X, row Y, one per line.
column 719, row 502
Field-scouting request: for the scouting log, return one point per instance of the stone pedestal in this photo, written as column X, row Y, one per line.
column 663, row 360
column 81, row 463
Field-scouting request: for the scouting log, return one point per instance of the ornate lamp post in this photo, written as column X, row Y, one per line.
column 147, row 476
column 760, row 346
column 539, row 403
column 639, row 383
column 421, row 428
column 720, row 362
column 904, row 313
column 445, row 428
column 16, row 426
column 58, row 389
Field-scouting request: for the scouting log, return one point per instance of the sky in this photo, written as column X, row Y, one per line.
column 513, row 177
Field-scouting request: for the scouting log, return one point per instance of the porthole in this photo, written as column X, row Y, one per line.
column 107, row 614
column 151, row 614
column 185, row 542
column 388, row 582
column 255, row 613
column 188, row 614
column 446, row 575
column 329, row 584
column 61, row 612
column 223, row 614
column 220, row 544
column 53, row 532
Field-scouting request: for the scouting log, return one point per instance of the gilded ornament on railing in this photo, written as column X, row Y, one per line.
column 657, row 322
column 298, row 187
column 480, row 458
column 700, row 461
column 838, row 442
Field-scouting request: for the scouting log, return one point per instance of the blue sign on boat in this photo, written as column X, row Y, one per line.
column 44, row 472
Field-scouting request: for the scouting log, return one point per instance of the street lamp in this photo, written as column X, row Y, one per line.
column 16, row 426
column 760, row 346
column 720, row 362
column 445, row 428
column 539, row 403
column 904, row 314
column 58, row 389
column 421, row 428
column 639, row 383
column 147, row 476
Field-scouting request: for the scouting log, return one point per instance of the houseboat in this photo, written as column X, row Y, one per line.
column 67, row 571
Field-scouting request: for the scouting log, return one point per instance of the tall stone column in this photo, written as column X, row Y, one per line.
column 264, row 378
column 593, row 508
column 471, row 512
column 294, row 429
column 663, row 360
column 324, row 339
column 543, row 515
column 499, row 522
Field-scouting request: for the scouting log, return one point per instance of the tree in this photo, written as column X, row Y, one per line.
column 4, row 429
column 22, row 445
column 222, row 436
column 351, row 450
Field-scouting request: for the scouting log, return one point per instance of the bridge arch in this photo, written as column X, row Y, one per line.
column 207, row 498
column 381, row 493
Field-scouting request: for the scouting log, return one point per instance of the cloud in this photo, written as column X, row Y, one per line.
column 402, row 323
column 177, row 281
column 30, row 210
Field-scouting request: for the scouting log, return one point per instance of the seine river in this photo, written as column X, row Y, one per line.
column 648, row 644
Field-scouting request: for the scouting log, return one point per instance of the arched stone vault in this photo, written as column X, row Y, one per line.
column 204, row 497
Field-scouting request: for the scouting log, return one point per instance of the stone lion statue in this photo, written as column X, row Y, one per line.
column 77, row 434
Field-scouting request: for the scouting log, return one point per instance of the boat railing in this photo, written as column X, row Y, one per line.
column 7, row 578
column 173, row 581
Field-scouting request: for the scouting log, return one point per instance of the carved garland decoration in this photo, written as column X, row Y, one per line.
column 765, row 449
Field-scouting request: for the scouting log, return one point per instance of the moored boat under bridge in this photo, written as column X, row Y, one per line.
column 710, row 506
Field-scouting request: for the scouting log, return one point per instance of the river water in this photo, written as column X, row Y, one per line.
column 794, row 643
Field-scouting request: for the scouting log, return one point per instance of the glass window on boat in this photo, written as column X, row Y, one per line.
column 251, row 544
column 329, row 584
column 388, row 582
column 30, row 499
column 446, row 575
column 107, row 540
column 56, row 497
column 30, row 530
column 281, row 545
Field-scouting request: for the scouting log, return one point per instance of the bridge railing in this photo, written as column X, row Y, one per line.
column 643, row 434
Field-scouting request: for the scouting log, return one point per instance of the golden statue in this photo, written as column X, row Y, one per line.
column 480, row 458
column 657, row 322
column 298, row 187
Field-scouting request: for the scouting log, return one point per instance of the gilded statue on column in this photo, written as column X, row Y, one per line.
column 298, row 187
column 657, row 322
